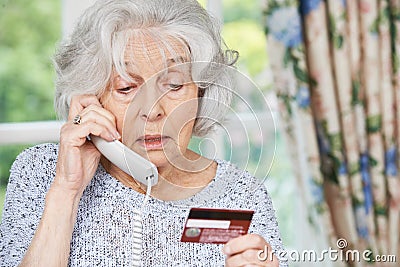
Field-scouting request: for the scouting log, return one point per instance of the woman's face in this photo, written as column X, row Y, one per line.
column 156, row 111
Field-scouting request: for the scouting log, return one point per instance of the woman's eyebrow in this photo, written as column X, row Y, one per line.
column 173, row 61
column 170, row 61
column 134, row 77
column 178, row 64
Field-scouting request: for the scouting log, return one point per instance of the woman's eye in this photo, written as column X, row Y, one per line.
column 126, row 90
column 174, row 87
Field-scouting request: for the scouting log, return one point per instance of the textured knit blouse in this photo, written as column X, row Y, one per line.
column 102, row 233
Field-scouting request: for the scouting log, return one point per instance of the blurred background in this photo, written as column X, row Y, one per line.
column 29, row 31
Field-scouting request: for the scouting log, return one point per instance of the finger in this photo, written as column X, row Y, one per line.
column 98, row 130
column 244, row 242
column 102, row 117
column 75, row 135
column 246, row 258
column 100, row 111
column 79, row 102
column 90, row 109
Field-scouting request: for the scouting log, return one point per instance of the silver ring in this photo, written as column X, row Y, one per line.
column 77, row 119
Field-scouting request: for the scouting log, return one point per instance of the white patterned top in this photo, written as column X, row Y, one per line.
column 103, row 229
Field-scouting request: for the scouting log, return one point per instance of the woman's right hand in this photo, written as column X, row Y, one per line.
column 77, row 162
column 77, row 157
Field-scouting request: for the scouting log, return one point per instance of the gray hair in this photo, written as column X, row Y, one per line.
column 85, row 61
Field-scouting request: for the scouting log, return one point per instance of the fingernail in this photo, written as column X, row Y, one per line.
column 112, row 137
column 117, row 135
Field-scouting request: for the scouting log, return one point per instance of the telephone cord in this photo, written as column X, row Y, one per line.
column 138, row 228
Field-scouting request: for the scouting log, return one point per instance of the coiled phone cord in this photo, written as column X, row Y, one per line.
column 137, row 229
column 137, row 222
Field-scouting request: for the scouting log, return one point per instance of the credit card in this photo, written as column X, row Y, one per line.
column 216, row 226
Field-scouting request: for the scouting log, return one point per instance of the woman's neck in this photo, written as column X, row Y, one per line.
column 174, row 182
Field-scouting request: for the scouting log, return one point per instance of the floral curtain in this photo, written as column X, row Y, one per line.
column 336, row 68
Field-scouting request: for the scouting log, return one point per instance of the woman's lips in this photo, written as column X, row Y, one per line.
column 153, row 141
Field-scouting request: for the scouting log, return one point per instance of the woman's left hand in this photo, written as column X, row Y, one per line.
column 249, row 250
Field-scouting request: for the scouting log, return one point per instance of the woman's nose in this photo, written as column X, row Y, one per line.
column 151, row 104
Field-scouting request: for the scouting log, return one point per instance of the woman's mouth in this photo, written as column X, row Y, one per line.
column 153, row 141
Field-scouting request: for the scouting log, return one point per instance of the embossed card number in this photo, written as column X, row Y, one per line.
column 216, row 226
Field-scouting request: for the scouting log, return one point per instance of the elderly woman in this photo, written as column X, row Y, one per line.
column 150, row 73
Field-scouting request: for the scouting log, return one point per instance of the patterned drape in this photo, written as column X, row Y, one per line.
column 336, row 67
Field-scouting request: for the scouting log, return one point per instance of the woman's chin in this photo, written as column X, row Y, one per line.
column 160, row 157
column 157, row 157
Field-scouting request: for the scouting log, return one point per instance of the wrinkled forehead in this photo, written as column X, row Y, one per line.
column 148, row 53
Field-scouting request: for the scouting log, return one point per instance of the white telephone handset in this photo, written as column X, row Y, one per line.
column 127, row 160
